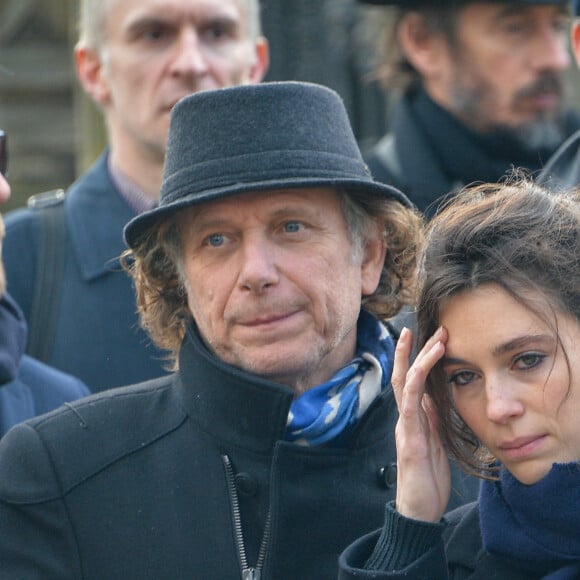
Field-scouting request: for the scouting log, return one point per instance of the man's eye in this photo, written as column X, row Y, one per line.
column 217, row 32
column 155, row 32
column 293, row 227
column 216, row 240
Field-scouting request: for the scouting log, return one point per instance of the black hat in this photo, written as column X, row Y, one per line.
column 439, row 3
column 258, row 137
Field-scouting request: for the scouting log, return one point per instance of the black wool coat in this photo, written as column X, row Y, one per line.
column 143, row 483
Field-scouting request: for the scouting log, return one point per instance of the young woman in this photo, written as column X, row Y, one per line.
column 496, row 385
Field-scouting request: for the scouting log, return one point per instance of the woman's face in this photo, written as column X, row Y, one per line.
column 511, row 382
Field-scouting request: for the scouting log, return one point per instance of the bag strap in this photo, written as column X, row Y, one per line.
column 50, row 259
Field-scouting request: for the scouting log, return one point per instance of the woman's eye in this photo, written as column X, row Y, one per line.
column 461, row 378
column 529, row 360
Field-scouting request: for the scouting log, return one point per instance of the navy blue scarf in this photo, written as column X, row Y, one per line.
column 537, row 525
column 328, row 412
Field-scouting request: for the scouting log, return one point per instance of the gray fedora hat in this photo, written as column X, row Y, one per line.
column 258, row 137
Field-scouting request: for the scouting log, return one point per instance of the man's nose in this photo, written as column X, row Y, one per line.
column 259, row 268
column 190, row 56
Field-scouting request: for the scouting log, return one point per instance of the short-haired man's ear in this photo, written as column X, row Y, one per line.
column 91, row 74
column 262, row 62
column 575, row 34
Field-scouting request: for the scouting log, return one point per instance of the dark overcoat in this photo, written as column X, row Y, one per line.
column 167, row 479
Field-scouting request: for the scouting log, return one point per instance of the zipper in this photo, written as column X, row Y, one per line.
column 248, row 572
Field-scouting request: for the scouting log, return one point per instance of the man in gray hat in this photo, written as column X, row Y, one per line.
column 267, row 270
column 481, row 91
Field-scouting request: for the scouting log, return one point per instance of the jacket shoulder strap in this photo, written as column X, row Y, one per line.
column 50, row 258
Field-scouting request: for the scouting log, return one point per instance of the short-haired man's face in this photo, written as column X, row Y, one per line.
column 273, row 285
column 157, row 51
column 506, row 69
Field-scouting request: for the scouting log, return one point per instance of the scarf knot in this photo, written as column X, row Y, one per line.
column 329, row 411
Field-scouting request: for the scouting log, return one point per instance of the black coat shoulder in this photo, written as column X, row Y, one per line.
column 80, row 439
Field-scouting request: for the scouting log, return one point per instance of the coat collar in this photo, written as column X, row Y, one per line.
column 96, row 214
column 241, row 409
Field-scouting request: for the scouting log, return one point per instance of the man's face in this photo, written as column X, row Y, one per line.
column 505, row 70
column 157, row 51
column 273, row 285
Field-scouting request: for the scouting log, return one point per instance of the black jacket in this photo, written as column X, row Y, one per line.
column 142, row 482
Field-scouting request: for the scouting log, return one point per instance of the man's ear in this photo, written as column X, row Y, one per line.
column 575, row 35
column 262, row 62
column 91, row 74
column 424, row 49
column 375, row 253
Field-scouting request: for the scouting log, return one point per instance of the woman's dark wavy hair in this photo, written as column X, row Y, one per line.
column 155, row 265
column 517, row 235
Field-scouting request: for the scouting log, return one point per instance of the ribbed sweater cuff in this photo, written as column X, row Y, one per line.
column 402, row 541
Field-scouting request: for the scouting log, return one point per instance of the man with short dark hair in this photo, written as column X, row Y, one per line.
column 482, row 91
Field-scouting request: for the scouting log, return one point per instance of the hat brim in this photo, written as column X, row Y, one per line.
column 136, row 228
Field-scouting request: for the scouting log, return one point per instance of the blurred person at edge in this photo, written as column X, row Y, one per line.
column 563, row 170
column 135, row 59
column 481, row 91
column 27, row 386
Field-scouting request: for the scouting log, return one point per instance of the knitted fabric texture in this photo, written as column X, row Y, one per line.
column 537, row 525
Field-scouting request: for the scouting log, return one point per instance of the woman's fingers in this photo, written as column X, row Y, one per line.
column 407, row 377
column 422, row 478
column 401, row 364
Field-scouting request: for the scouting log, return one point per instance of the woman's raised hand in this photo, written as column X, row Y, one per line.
column 423, row 477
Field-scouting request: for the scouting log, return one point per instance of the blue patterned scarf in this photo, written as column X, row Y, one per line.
column 330, row 410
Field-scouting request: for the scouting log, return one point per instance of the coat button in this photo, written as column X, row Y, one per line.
column 388, row 475
column 246, row 484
